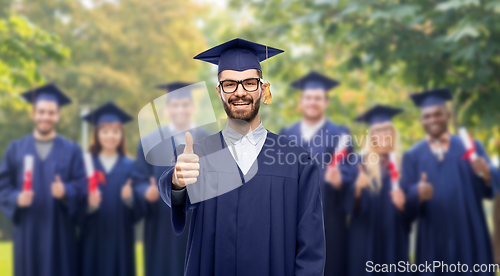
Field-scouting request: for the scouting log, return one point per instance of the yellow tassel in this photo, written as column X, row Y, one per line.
column 267, row 93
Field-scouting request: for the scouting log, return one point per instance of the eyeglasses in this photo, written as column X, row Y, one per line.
column 250, row 85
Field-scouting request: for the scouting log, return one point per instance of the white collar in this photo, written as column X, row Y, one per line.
column 253, row 137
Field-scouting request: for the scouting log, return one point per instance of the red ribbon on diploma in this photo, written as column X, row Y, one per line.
column 470, row 151
column 96, row 179
column 27, row 181
column 336, row 159
column 394, row 172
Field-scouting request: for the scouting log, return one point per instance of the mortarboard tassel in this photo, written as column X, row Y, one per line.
column 267, row 90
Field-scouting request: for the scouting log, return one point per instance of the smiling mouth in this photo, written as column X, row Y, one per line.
column 240, row 104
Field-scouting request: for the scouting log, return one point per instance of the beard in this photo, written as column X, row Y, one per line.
column 243, row 115
column 44, row 132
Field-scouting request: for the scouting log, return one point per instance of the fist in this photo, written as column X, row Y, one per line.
column 481, row 168
column 127, row 190
column 425, row 189
column 187, row 167
column 398, row 199
column 25, row 198
column 334, row 177
column 94, row 199
column 362, row 181
column 152, row 195
column 58, row 190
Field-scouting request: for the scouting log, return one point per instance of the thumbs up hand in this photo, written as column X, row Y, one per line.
column 187, row 167
column 362, row 181
column 152, row 194
column 127, row 190
column 94, row 199
column 425, row 189
column 58, row 190
column 333, row 176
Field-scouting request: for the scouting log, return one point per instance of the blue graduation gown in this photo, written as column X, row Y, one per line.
column 335, row 216
column 106, row 242
column 164, row 251
column 378, row 231
column 45, row 232
column 452, row 225
column 271, row 225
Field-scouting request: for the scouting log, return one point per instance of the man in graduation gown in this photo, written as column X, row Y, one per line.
column 164, row 250
column 445, row 192
column 320, row 137
column 255, row 198
column 42, row 203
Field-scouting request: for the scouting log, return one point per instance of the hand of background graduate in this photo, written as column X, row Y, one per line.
column 334, row 177
column 94, row 199
column 398, row 199
column 481, row 169
column 152, row 194
column 187, row 167
column 25, row 198
column 58, row 190
column 425, row 189
column 127, row 190
column 362, row 181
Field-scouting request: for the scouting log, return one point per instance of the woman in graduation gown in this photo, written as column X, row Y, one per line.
column 378, row 232
column 106, row 243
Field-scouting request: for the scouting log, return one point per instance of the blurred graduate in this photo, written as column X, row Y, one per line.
column 164, row 250
column 106, row 241
column 265, row 215
column 42, row 183
column 320, row 137
column 378, row 229
column 445, row 189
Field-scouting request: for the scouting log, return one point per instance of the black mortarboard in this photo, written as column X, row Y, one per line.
column 107, row 113
column 48, row 92
column 431, row 97
column 315, row 80
column 238, row 54
column 378, row 114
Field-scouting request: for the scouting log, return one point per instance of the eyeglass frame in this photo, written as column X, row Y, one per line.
column 238, row 82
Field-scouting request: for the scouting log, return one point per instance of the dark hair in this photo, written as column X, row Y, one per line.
column 258, row 72
column 96, row 147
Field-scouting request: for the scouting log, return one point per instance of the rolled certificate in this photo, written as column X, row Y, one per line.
column 28, row 172
column 393, row 169
column 341, row 150
column 470, row 149
column 89, row 168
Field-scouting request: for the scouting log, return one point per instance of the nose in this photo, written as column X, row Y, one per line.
column 240, row 91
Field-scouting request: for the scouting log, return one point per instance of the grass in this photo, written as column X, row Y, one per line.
column 7, row 269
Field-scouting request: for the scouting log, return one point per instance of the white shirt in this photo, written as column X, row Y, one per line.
column 308, row 131
column 245, row 149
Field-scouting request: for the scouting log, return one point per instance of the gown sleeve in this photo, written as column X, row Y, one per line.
column 489, row 191
column 8, row 190
column 76, row 186
column 409, row 184
column 311, row 246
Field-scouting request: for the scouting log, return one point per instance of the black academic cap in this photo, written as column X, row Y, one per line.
column 378, row 114
column 238, row 54
column 107, row 113
column 48, row 92
column 315, row 80
column 431, row 97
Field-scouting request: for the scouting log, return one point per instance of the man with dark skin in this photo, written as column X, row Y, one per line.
column 445, row 191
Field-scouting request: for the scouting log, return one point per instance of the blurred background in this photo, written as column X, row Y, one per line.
column 380, row 51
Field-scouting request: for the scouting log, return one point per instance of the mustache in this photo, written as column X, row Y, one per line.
column 246, row 98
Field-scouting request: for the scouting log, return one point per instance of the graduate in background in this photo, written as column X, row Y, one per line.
column 164, row 251
column 44, row 210
column 378, row 229
column 321, row 136
column 268, row 220
column 445, row 190
column 106, row 242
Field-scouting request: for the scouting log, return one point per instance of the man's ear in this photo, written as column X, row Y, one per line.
column 32, row 112
column 217, row 87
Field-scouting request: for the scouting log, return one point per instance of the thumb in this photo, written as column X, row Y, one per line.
column 129, row 182
column 423, row 178
column 152, row 181
column 189, row 144
column 58, row 179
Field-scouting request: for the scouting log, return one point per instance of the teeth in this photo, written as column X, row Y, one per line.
column 241, row 103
